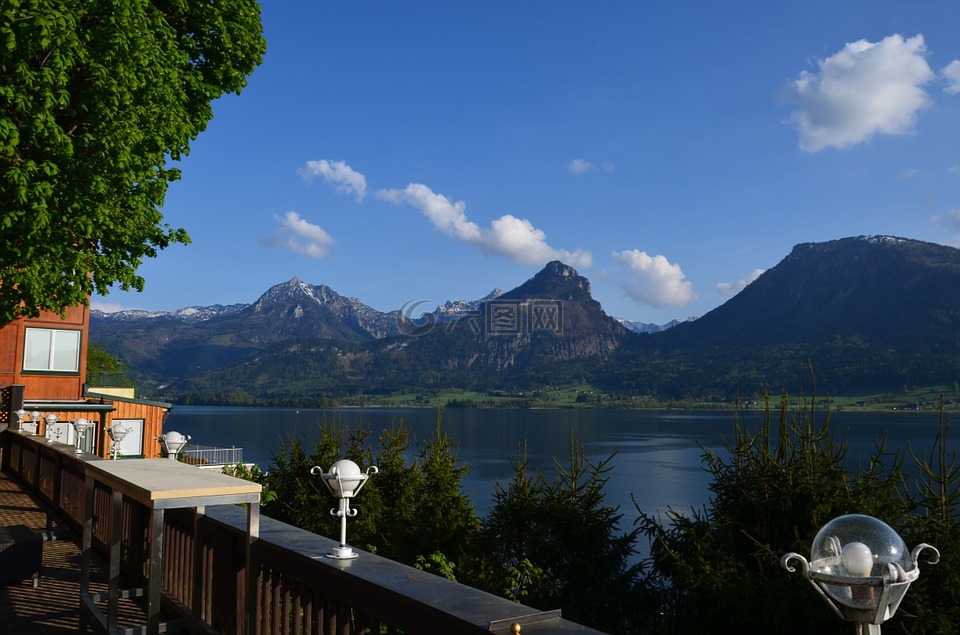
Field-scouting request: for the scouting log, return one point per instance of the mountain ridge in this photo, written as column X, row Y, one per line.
column 868, row 310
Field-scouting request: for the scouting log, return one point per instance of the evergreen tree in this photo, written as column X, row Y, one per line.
column 555, row 543
column 412, row 508
column 719, row 567
column 933, row 603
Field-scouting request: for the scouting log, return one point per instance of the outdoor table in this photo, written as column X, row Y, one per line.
column 158, row 484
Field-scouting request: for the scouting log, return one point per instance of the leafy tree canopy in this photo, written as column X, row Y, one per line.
column 96, row 98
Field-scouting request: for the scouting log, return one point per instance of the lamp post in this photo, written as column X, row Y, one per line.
column 34, row 419
column 80, row 426
column 21, row 413
column 117, row 433
column 172, row 442
column 51, row 420
column 344, row 480
column 861, row 567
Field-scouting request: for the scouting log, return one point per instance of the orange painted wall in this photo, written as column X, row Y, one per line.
column 151, row 415
column 53, row 387
column 37, row 385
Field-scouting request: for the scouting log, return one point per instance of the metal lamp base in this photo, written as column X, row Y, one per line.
column 343, row 553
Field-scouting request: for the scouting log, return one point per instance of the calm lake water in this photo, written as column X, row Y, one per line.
column 658, row 458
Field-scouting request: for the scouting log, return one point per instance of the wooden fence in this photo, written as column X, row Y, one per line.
column 298, row 592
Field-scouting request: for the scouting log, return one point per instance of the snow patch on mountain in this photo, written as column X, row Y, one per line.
column 644, row 327
column 186, row 314
column 455, row 308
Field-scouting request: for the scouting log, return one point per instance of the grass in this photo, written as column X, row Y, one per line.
column 589, row 396
column 923, row 398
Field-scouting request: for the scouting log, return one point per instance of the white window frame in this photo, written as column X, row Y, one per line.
column 69, row 341
column 132, row 444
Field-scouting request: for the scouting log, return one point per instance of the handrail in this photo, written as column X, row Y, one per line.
column 205, row 456
column 299, row 590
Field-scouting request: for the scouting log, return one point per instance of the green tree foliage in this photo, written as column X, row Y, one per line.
column 302, row 499
column 254, row 474
column 552, row 542
column 413, row 510
column 100, row 363
column 719, row 568
column 437, row 564
column 440, row 502
column 933, row 603
column 555, row 543
column 95, row 99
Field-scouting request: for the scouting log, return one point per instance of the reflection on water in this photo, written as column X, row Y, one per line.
column 658, row 458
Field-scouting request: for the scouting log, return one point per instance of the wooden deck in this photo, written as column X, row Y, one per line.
column 53, row 607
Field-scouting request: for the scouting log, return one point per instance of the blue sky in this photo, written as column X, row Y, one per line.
column 669, row 151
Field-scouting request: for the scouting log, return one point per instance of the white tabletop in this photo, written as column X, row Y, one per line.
column 150, row 481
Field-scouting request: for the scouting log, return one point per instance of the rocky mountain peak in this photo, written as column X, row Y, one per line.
column 556, row 281
column 295, row 290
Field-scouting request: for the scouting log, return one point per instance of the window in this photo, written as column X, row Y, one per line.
column 132, row 444
column 51, row 350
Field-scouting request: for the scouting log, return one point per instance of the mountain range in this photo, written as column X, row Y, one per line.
column 871, row 312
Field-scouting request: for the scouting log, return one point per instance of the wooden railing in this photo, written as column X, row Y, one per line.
column 298, row 592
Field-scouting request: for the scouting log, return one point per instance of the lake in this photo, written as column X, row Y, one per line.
column 658, row 458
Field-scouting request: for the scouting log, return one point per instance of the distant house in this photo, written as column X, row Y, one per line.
column 43, row 364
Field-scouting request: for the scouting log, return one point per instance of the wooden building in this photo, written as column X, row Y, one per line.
column 43, row 365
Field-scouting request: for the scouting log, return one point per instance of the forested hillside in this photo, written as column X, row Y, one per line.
column 867, row 313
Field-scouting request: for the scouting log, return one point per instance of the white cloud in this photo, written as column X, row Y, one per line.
column 520, row 241
column 515, row 238
column 730, row 289
column 300, row 236
column 867, row 88
column 345, row 179
column 951, row 75
column 951, row 218
column 656, row 281
column 447, row 216
column 578, row 167
column 106, row 307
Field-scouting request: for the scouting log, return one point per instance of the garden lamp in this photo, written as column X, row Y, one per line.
column 861, row 567
column 21, row 413
column 51, row 420
column 34, row 419
column 344, row 480
column 81, row 425
column 172, row 442
column 117, row 433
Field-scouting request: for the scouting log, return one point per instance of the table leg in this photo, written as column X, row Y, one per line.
column 87, row 548
column 199, row 577
column 156, row 572
column 116, row 533
column 252, row 568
